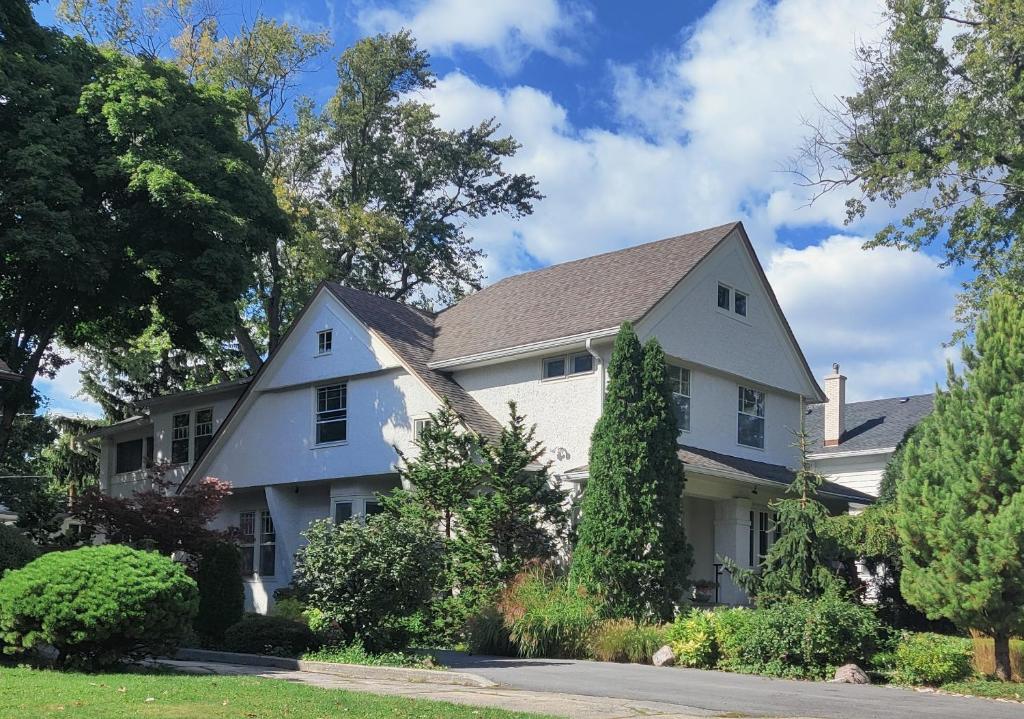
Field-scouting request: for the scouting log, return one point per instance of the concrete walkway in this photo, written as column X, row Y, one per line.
column 548, row 703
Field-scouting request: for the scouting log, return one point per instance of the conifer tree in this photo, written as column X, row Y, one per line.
column 797, row 563
column 446, row 472
column 625, row 550
column 960, row 505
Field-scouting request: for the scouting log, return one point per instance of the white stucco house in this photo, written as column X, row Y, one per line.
column 316, row 432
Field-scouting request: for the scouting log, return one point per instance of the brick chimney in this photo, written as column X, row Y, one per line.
column 835, row 423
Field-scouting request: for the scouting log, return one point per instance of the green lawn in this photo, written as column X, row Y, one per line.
column 45, row 694
column 988, row 688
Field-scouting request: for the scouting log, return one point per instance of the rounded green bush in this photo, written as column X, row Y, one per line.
column 97, row 605
column 16, row 550
column 275, row 636
column 221, row 595
column 693, row 639
column 933, row 659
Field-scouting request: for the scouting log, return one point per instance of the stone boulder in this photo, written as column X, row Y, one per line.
column 851, row 674
column 664, row 657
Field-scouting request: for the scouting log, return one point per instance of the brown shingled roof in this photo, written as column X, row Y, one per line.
column 410, row 334
column 587, row 295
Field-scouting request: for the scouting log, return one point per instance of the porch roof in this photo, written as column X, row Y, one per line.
column 725, row 465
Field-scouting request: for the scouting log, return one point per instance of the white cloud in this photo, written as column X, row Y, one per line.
column 504, row 31
column 63, row 393
column 882, row 314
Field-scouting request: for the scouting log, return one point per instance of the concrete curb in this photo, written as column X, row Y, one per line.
column 351, row 671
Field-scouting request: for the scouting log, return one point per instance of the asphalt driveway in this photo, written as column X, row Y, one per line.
column 718, row 693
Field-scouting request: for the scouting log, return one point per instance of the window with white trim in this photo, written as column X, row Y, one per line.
column 247, row 542
column 750, row 418
column 724, row 297
column 763, row 534
column 268, row 544
column 568, row 365
column 732, row 300
column 180, row 431
column 739, row 304
column 324, row 341
column 679, row 383
column 358, row 508
column 331, row 413
column 204, row 431
column 129, row 456
column 418, row 425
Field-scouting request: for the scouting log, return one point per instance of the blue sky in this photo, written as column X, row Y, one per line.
column 647, row 119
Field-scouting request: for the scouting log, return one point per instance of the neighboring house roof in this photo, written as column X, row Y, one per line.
column 752, row 470
column 409, row 332
column 6, row 374
column 587, row 295
column 875, row 425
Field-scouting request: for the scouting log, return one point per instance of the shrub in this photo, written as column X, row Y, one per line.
column 276, row 636
column 221, row 595
column 97, row 605
column 731, row 629
column 487, row 634
column 356, row 653
column 290, row 608
column 802, row 637
column 362, row 579
column 548, row 617
column 985, row 657
column 16, row 550
column 693, row 639
column 933, row 659
column 623, row 640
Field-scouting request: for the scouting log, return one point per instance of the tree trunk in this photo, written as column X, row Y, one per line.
column 15, row 398
column 248, row 347
column 1002, row 646
column 274, row 303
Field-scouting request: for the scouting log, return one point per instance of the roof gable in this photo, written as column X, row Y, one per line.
column 587, row 295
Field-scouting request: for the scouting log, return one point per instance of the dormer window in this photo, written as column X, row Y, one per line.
column 324, row 341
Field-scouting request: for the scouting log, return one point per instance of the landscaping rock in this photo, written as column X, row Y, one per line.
column 664, row 657
column 851, row 674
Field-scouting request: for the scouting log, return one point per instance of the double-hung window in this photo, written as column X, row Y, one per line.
column 180, row 431
column 331, row 413
column 204, row 431
column 247, row 542
column 763, row 533
column 679, row 383
column 750, row 418
column 268, row 544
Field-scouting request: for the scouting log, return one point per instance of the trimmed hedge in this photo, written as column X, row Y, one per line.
column 221, row 595
column 97, row 605
column 275, row 636
column 16, row 550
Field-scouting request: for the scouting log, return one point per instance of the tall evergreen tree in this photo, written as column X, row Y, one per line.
column 631, row 545
column 960, row 505
column 798, row 562
column 520, row 516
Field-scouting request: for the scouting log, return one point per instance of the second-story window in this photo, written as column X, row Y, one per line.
column 129, row 456
column 418, row 425
column 679, row 383
column 204, row 431
column 180, row 431
column 324, row 341
column 331, row 413
column 750, row 422
column 567, row 365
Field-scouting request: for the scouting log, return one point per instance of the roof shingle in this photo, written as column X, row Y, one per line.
column 873, row 425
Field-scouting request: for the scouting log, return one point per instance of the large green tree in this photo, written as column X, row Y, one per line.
column 126, row 190
column 632, row 547
column 960, row 505
column 936, row 125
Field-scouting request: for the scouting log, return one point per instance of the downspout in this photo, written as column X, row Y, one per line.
column 597, row 358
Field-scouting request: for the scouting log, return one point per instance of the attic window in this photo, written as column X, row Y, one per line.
column 740, row 304
column 324, row 341
column 731, row 300
column 724, row 297
column 567, row 365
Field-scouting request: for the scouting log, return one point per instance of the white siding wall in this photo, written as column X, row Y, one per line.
column 163, row 417
column 862, row 473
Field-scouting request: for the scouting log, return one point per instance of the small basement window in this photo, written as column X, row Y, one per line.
column 324, row 341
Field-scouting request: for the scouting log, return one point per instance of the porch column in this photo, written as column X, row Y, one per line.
column 283, row 503
column 732, row 540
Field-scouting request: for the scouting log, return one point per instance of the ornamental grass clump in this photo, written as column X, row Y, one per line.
column 623, row 640
column 548, row 616
column 96, row 606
